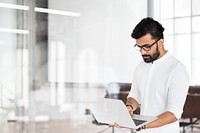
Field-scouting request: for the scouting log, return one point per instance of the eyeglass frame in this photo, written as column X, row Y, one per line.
column 148, row 47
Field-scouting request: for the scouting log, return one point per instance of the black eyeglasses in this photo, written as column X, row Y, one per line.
column 145, row 47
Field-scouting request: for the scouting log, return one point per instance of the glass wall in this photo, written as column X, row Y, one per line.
column 13, row 58
column 8, row 59
column 58, row 57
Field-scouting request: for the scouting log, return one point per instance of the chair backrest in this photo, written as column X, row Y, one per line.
column 194, row 89
column 192, row 106
column 118, row 90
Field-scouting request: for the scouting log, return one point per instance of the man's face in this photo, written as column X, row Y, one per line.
column 148, row 48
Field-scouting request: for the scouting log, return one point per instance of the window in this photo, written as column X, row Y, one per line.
column 181, row 19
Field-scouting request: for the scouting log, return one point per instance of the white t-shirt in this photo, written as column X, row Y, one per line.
column 159, row 87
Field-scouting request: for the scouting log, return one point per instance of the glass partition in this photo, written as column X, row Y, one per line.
column 58, row 58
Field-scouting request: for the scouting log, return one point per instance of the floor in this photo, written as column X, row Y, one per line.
column 64, row 126
column 189, row 129
column 61, row 109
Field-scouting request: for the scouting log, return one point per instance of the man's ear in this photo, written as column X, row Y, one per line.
column 161, row 43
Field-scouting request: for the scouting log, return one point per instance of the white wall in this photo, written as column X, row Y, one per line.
column 97, row 46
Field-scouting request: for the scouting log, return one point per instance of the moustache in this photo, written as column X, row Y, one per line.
column 146, row 56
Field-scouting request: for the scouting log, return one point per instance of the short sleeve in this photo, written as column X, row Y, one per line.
column 135, row 92
column 178, row 90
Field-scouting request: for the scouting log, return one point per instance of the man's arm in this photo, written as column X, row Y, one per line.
column 163, row 119
column 131, row 105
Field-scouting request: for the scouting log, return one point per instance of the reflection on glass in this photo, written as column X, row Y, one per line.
column 18, row 31
column 8, row 74
column 58, row 12
column 14, row 6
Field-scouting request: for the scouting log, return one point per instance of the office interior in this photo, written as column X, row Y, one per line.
column 61, row 57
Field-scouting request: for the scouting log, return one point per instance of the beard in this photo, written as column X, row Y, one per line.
column 149, row 58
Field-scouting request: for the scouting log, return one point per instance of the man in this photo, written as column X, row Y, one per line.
column 160, row 82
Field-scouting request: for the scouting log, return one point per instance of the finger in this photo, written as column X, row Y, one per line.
column 116, row 125
column 131, row 113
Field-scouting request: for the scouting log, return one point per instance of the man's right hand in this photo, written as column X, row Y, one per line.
column 131, row 105
column 130, row 110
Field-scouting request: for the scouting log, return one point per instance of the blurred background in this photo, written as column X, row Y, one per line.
column 60, row 57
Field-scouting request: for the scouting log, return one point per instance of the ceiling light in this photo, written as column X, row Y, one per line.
column 14, row 6
column 8, row 30
column 52, row 11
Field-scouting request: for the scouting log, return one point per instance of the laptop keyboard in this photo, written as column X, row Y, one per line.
column 138, row 122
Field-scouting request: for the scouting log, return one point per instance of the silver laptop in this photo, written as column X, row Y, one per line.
column 110, row 111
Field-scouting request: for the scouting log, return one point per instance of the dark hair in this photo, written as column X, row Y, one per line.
column 148, row 25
